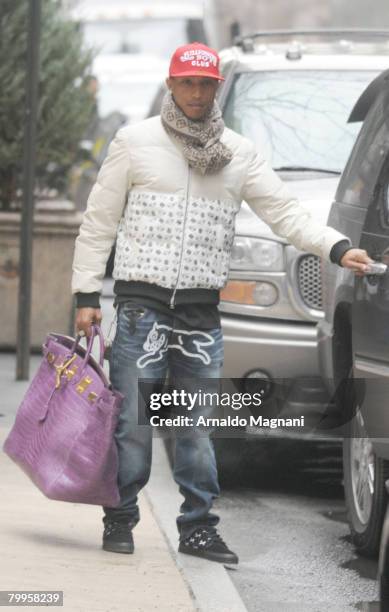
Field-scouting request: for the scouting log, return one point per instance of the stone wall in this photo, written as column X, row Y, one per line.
column 52, row 302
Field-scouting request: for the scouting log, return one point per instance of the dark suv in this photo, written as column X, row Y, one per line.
column 354, row 334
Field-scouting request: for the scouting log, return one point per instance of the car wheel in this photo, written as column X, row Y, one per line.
column 364, row 487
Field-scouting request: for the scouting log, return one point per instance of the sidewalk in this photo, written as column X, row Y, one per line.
column 49, row 545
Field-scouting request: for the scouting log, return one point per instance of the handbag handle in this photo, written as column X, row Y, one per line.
column 96, row 331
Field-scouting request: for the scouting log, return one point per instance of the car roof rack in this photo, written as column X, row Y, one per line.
column 247, row 41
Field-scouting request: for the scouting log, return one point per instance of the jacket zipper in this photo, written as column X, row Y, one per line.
column 171, row 305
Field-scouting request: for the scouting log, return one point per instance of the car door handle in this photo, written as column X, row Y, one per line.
column 377, row 268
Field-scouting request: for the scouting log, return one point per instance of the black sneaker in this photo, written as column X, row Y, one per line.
column 205, row 542
column 118, row 538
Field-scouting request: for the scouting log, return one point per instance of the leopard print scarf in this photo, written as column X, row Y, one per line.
column 200, row 139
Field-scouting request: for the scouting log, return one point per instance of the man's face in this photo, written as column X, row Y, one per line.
column 194, row 95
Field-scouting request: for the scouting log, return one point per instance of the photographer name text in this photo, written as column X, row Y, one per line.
column 228, row 421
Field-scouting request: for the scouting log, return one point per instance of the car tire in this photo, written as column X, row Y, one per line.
column 364, row 487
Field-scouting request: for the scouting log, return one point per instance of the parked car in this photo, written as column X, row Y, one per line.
column 291, row 93
column 354, row 333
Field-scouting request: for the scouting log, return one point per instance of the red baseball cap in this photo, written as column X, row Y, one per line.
column 195, row 59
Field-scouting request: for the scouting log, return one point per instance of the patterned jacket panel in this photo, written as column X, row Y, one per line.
column 173, row 241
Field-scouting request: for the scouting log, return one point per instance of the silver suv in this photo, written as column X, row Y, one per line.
column 291, row 93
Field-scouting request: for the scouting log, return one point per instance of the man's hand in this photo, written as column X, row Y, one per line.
column 85, row 317
column 357, row 260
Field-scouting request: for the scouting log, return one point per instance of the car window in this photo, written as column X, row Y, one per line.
column 298, row 118
column 377, row 218
column 364, row 179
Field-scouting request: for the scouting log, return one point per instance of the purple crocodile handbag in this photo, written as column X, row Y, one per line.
column 63, row 435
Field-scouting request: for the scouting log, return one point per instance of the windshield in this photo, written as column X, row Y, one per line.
column 298, row 118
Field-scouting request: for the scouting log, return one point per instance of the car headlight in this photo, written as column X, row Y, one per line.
column 256, row 254
column 250, row 292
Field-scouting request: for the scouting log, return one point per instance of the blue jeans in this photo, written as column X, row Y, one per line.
column 147, row 345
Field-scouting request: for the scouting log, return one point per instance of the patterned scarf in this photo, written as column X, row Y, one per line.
column 201, row 139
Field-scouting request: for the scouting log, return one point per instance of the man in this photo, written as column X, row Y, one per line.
column 168, row 192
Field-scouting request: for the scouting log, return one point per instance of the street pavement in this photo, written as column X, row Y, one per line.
column 286, row 517
column 49, row 545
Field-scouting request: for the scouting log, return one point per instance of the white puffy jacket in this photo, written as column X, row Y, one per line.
column 175, row 227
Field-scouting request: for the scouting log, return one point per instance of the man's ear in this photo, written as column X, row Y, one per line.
column 168, row 83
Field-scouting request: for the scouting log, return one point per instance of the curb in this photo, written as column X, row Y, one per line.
column 208, row 582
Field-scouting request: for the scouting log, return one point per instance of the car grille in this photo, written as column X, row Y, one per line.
column 309, row 281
